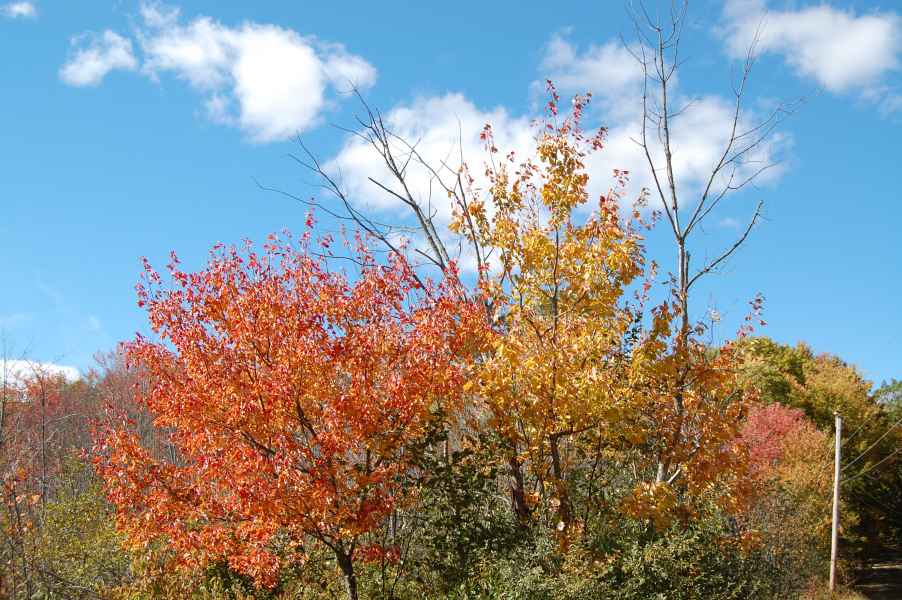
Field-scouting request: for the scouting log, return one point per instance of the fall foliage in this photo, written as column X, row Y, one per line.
column 580, row 365
column 290, row 395
column 308, row 420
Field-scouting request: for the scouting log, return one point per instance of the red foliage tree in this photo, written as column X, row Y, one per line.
column 766, row 431
column 290, row 393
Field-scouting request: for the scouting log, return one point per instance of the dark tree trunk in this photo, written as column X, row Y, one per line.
column 518, row 493
column 347, row 569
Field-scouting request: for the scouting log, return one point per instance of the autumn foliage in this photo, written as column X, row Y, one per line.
column 296, row 399
column 306, row 416
column 582, row 363
column 289, row 393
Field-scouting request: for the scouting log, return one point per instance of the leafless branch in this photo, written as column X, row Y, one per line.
column 729, row 251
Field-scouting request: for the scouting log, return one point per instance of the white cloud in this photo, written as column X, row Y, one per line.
column 698, row 139
column 699, row 134
column 18, row 371
column 269, row 81
column 95, row 56
column 15, row 10
column 443, row 128
column 891, row 103
column 157, row 14
column 608, row 71
column 841, row 50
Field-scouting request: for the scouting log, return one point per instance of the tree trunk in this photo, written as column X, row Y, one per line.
column 347, row 569
column 682, row 349
column 518, row 493
column 560, row 486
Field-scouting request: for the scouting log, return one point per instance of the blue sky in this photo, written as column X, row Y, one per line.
column 131, row 129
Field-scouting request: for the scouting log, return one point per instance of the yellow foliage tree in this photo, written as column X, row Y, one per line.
column 579, row 368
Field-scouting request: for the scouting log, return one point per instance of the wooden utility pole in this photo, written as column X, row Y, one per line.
column 835, row 529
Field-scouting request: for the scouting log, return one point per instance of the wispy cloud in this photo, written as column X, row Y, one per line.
column 95, row 56
column 59, row 301
column 94, row 323
column 19, row 10
column 157, row 14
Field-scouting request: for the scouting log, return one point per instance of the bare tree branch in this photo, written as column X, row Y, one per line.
column 729, row 251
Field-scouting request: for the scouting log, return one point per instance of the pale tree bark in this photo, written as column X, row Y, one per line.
column 448, row 182
column 657, row 51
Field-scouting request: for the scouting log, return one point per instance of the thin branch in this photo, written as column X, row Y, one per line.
column 731, row 249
